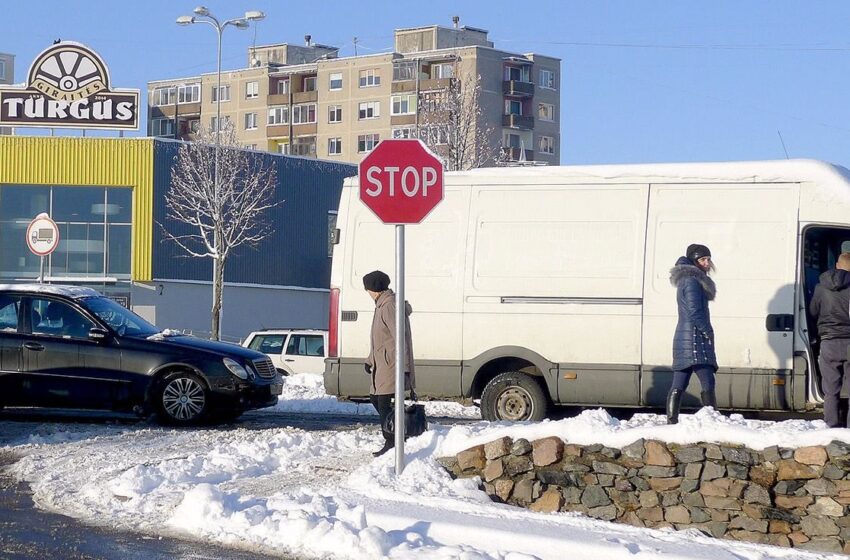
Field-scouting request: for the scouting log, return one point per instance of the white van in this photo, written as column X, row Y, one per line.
column 539, row 286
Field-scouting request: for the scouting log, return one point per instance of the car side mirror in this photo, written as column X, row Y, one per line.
column 97, row 334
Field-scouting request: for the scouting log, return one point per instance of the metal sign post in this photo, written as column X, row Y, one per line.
column 42, row 239
column 400, row 359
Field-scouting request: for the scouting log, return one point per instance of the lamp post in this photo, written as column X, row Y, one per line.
column 203, row 15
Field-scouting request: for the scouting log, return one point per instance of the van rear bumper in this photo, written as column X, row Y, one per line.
column 331, row 376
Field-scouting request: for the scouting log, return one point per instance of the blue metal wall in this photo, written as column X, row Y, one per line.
column 295, row 254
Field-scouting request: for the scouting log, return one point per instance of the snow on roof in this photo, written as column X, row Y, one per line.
column 75, row 292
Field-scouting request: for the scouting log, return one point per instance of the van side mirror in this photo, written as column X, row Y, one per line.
column 97, row 334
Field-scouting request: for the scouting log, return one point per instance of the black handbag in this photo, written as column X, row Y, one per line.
column 415, row 421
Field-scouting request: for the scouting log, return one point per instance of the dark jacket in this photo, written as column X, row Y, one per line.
column 830, row 304
column 382, row 348
column 693, row 342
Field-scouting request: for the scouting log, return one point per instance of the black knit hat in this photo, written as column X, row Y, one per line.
column 376, row 281
column 697, row 251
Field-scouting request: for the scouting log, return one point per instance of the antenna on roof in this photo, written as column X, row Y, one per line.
column 355, row 46
column 783, row 144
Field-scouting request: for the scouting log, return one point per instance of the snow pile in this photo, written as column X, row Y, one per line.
column 305, row 393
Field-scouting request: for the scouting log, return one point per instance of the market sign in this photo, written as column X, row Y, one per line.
column 68, row 86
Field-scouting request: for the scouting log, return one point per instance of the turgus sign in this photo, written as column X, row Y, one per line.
column 68, row 86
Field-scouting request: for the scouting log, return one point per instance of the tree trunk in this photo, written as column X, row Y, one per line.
column 218, row 289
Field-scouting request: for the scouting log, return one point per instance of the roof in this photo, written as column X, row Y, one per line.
column 74, row 292
column 288, row 330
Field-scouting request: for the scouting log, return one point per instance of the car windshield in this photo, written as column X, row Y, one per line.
column 119, row 318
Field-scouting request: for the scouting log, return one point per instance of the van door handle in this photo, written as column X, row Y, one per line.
column 34, row 346
column 779, row 322
column 288, row 360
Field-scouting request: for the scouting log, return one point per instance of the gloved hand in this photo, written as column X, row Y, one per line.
column 368, row 368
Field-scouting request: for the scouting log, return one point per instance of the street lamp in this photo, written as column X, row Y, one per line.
column 203, row 15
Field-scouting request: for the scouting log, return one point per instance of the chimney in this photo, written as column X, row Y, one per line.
column 307, row 39
column 456, row 20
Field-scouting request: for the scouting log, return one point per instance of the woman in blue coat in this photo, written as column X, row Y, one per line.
column 693, row 342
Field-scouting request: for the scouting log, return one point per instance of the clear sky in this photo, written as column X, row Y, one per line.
column 642, row 81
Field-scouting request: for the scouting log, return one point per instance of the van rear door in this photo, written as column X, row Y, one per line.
column 751, row 230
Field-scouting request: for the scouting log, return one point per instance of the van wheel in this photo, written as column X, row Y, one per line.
column 182, row 399
column 513, row 396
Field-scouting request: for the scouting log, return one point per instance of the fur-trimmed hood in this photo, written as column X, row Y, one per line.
column 686, row 269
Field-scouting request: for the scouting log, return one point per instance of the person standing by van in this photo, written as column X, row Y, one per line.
column 693, row 342
column 830, row 307
column 382, row 359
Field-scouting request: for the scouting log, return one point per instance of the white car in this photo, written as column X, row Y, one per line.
column 292, row 351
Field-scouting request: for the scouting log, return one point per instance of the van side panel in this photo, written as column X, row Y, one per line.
column 751, row 230
column 558, row 269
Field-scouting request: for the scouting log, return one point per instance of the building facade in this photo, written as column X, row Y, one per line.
column 306, row 101
column 107, row 196
column 7, row 77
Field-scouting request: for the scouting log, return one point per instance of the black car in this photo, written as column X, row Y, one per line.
column 72, row 347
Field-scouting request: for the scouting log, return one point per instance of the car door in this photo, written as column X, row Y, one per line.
column 10, row 348
column 305, row 353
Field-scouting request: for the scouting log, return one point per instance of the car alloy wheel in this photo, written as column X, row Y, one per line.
column 184, row 398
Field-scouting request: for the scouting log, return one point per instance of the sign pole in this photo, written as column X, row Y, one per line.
column 41, row 271
column 400, row 337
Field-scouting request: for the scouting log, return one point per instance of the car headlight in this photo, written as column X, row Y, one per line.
column 236, row 368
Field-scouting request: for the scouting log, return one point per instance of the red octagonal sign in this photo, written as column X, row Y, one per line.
column 401, row 181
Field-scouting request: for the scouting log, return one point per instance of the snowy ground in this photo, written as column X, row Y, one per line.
column 320, row 494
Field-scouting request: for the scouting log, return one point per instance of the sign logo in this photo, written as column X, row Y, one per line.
column 42, row 235
column 68, row 86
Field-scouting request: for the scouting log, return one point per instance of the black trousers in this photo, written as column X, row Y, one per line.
column 834, row 372
column 384, row 405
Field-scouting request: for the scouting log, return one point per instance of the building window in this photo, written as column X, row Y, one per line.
column 304, row 114
column 335, row 113
column 283, row 87
column 251, row 146
column 518, row 73
column 369, row 110
column 250, row 121
column 194, row 126
column 370, row 78
column 513, row 107
column 225, row 94
column 367, row 142
column 283, row 148
column 2, row 69
column 547, row 79
column 162, row 127
column 442, row 71
column 404, row 104
column 278, row 115
column 404, row 70
column 435, row 135
column 252, row 90
column 225, row 122
column 545, row 111
column 335, row 81
column 401, row 132
column 189, row 93
column 547, row 145
column 430, row 101
column 164, row 96
column 303, row 146
column 334, row 146
column 512, row 141
column 309, row 83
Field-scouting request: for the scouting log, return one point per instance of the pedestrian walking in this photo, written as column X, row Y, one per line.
column 693, row 342
column 830, row 307
column 382, row 359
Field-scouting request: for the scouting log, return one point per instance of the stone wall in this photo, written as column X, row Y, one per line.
column 779, row 496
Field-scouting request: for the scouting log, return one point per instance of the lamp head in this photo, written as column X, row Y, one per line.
column 241, row 24
column 185, row 20
column 255, row 15
column 201, row 11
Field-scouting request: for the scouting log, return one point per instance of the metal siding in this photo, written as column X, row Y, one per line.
column 110, row 162
column 295, row 254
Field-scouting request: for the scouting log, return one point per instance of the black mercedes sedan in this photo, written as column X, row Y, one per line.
column 70, row 347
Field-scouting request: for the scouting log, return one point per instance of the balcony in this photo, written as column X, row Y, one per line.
column 518, row 121
column 305, row 96
column 279, row 99
column 518, row 89
column 513, row 154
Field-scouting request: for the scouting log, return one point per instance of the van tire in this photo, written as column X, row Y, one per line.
column 513, row 396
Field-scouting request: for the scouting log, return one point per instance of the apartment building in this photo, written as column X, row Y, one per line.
column 305, row 100
column 7, row 77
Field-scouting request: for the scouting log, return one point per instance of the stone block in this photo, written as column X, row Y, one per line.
column 472, row 459
column 610, row 452
column 658, row 454
column 753, row 510
column 670, row 498
column 639, row 483
column 634, row 450
column 833, row 472
column 821, row 487
column 718, row 487
column 722, row 502
column 605, row 480
column 748, row 524
column 735, row 470
column 787, row 486
column 631, row 518
column 789, row 469
column 590, row 479
column 654, row 514
column 649, row 498
column 693, row 470
column 524, row 491
column 792, row 502
column 515, row 465
column 572, row 495
column 771, row 453
column 780, row 515
column 493, row 470
column 736, row 455
column 606, row 513
column 818, row 526
column 570, row 465
column 689, row 454
column 798, row 537
column 594, row 496
column 550, row 501
column 778, row 526
column 657, row 472
column 813, row 455
column 763, row 475
column 823, row 544
column 605, row 467
column 521, row 447
column 718, row 515
column 689, row 485
column 755, row 494
column 559, row 478
column 712, row 451
column 623, row 485
column 547, row 450
column 712, row 470
column 778, row 539
column 572, row 450
column 786, row 453
column 677, row 514
column 825, row 505
column 449, row 463
column 503, row 488
column 699, row 515
column 625, row 500
column 747, row 536
column 594, row 448
column 736, row 488
column 837, row 449
column 497, row 448
column 663, row 484
column 693, row 499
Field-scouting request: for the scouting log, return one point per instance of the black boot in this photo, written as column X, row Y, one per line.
column 674, row 401
column 709, row 399
column 388, row 444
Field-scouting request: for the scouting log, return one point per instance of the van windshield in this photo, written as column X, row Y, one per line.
column 119, row 318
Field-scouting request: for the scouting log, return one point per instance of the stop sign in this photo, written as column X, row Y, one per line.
column 401, row 181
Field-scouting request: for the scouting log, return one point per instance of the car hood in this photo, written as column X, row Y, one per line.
column 223, row 349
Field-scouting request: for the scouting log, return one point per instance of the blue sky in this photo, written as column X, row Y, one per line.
column 642, row 81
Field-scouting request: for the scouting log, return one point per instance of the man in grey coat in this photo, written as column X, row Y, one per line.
column 382, row 359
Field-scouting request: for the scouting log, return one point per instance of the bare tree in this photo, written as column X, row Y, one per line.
column 453, row 124
column 221, row 214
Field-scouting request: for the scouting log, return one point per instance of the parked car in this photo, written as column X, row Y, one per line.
column 72, row 347
column 292, row 350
